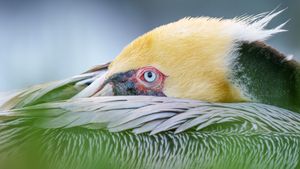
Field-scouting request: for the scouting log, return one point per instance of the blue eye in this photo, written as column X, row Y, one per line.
column 149, row 76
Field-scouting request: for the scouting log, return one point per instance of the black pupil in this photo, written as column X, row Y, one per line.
column 149, row 74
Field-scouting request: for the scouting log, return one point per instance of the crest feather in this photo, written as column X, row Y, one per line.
column 253, row 28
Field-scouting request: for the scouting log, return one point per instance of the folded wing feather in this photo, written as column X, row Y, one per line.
column 159, row 114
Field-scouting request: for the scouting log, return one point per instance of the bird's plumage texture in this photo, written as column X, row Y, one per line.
column 265, row 75
column 158, row 114
column 54, row 91
column 77, row 148
column 104, row 132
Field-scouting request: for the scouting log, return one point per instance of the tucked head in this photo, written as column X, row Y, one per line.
column 191, row 58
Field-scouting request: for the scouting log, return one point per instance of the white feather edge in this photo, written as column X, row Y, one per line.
column 96, row 83
column 5, row 96
column 253, row 28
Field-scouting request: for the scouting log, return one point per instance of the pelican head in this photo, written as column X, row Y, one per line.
column 208, row 59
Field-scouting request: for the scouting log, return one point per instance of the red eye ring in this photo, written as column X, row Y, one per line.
column 150, row 77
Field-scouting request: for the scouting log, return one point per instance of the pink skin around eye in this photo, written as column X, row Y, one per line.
column 156, row 85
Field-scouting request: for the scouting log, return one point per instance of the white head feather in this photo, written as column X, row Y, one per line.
column 253, row 28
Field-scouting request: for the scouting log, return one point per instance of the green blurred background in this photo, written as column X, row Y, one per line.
column 43, row 40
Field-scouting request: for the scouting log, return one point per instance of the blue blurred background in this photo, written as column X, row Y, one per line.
column 49, row 40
